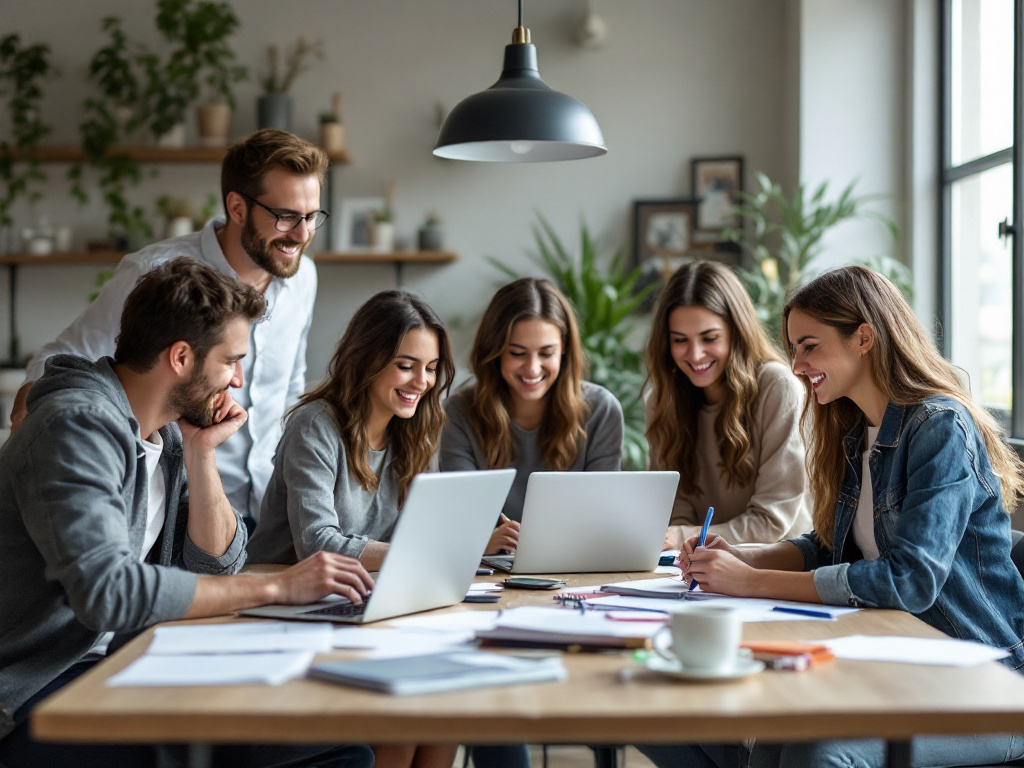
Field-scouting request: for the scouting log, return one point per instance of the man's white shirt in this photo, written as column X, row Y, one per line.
column 274, row 370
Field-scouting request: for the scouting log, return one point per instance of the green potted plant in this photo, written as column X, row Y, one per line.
column 604, row 292
column 274, row 107
column 22, row 70
column 111, row 120
column 431, row 236
column 782, row 237
column 199, row 63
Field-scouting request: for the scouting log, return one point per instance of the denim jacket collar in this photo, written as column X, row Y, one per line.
column 889, row 432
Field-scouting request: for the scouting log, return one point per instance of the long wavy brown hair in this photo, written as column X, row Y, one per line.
column 370, row 343
column 674, row 403
column 562, row 429
column 905, row 365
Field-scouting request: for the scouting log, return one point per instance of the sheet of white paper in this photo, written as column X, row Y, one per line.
column 944, row 652
column 225, row 669
column 242, row 637
column 672, row 570
column 393, row 643
column 461, row 621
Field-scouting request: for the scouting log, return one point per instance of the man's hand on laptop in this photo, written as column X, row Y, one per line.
column 504, row 539
column 320, row 575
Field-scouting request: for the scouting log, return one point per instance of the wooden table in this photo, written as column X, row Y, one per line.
column 608, row 699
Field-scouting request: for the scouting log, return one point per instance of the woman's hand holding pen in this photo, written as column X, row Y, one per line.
column 717, row 567
column 505, row 537
column 690, row 546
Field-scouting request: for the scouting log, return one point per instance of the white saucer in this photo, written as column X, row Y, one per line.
column 743, row 667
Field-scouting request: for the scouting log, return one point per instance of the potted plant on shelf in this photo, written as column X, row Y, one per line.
column 200, row 60
column 112, row 118
column 332, row 130
column 274, row 107
column 430, row 236
column 22, row 69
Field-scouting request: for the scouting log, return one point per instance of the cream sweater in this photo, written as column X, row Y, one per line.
column 776, row 505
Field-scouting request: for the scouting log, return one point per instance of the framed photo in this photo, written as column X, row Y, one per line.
column 355, row 216
column 662, row 229
column 716, row 180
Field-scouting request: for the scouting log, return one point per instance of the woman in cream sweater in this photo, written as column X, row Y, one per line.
column 724, row 410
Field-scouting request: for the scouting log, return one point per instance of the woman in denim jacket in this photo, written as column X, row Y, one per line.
column 929, row 534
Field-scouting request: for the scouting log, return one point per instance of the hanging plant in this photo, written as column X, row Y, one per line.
column 22, row 69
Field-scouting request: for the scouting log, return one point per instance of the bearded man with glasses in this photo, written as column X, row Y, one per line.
column 270, row 187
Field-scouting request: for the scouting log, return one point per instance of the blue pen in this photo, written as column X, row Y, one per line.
column 703, row 538
column 804, row 612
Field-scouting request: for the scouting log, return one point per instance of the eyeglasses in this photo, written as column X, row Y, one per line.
column 286, row 222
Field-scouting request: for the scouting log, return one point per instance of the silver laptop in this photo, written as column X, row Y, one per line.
column 441, row 533
column 592, row 522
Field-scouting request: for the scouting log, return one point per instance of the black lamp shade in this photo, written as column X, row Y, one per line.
column 520, row 119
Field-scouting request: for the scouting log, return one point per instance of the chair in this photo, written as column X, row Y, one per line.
column 1017, row 555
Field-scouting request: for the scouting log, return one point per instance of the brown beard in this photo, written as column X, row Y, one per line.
column 261, row 251
column 194, row 399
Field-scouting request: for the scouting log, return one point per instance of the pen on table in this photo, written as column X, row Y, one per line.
column 703, row 538
column 803, row 612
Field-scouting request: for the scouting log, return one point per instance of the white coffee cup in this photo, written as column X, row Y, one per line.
column 705, row 637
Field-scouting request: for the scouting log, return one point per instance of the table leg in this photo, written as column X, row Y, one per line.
column 899, row 754
column 606, row 757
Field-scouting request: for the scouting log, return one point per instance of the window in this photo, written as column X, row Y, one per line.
column 980, row 193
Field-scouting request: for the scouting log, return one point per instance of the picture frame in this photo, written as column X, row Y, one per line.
column 355, row 214
column 715, row 182
column 662, row 229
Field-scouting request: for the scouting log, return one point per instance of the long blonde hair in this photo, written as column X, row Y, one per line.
column 562, row 429
column 905, row 366
column 369, row 344
column 675, row 403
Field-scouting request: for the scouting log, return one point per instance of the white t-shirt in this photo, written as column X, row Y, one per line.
column 864, row 520
column 156, row 513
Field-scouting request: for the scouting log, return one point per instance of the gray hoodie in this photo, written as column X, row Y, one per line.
column 73, row 498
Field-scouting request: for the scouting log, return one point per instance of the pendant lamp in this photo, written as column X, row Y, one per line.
column 520, row 119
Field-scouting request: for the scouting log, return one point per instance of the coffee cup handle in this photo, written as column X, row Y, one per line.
column 661, row 650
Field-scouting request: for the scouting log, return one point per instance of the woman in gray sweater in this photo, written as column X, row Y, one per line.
column 724, row 410
column 351, row 448
column 528, row 407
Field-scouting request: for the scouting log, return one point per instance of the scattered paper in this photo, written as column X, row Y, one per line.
column 461, row 621
column 242, row 637
column 396, row 643
column 750, row 609
column 945, row 652
column 201, row 669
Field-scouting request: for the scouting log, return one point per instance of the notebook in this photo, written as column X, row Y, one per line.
column 439, row 672
column 592, row 522
column 443, row 529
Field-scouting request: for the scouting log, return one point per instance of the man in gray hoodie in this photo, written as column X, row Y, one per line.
column 102, row 535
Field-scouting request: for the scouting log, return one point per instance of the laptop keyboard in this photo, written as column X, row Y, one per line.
column 342, row 609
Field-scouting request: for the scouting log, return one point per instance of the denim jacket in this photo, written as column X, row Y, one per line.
column 943, row 535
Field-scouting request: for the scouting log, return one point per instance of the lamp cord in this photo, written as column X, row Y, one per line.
column 520, row 13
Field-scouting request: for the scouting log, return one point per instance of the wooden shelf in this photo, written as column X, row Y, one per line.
column 83, row 257
column 209, row 155
column 327, row 257
column 396, row 257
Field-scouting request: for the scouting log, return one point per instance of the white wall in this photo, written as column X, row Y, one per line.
column 853, row 94
column 676, row 79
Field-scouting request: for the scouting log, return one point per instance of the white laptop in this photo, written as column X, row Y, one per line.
column 443, row 529
column 592, row 522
